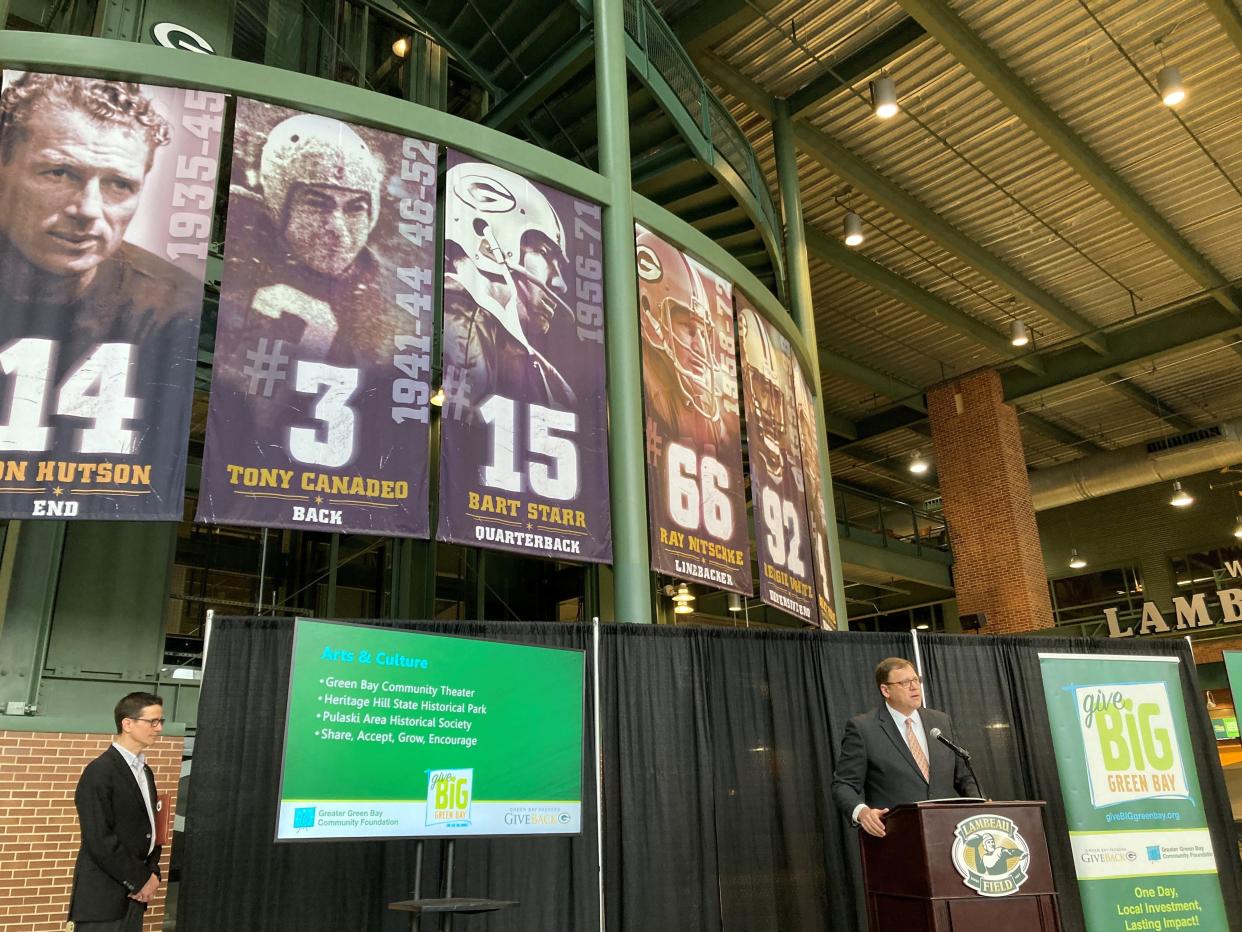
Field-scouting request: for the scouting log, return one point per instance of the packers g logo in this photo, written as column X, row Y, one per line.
column 649, row 268
column 486, row 195
column 990, row 854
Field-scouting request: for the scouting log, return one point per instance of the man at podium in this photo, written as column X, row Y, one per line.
column 888, row 756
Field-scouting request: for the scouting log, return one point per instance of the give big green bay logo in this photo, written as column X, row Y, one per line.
column 1130, row 743
column 991, row 855
column 449, row 794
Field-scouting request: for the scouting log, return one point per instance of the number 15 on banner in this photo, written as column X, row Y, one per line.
column 546, row 427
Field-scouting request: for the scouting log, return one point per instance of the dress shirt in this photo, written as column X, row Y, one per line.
column 138, row 767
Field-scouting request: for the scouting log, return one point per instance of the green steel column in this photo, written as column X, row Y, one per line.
column 631, row 560
column 804, row 313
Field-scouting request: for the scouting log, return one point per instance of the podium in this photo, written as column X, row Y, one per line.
column 960, row 866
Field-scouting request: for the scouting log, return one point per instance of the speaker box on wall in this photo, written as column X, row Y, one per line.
column 973, row 621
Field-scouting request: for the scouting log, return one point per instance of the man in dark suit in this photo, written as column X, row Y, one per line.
column 117, row 871
column 888, row 756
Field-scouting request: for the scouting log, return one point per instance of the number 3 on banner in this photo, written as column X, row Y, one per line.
column 560, row 483
column 97, row 390
column 698, row 487
column 337, row 448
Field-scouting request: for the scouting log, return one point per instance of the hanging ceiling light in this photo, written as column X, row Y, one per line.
column 683, row 600
column 401, row 47
column 1076, row 562
column 853, row 229
column 918, row 465
column 1169, row 81
column 884, row 97
column 437, row 397
column 1019, row 334
column 1237, row 527
column 1181, row 498
column 735, row 602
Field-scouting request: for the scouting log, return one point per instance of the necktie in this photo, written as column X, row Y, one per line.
column 916, row 749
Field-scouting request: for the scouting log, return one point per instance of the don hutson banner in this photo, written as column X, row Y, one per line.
column 523, row 434
column 320, row 399
column 777, row 484
column 695, row 500
column 107, row 190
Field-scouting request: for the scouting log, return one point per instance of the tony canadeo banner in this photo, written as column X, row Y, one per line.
column 777, row 484
column 106, row 195
column 817, row 515
column 523, row 434
column 696, row 502
column 320, row 399
column 1141, row 845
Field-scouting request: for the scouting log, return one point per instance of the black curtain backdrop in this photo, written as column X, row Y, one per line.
column 718, row 751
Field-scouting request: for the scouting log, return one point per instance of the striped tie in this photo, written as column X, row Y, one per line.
column 916, row 749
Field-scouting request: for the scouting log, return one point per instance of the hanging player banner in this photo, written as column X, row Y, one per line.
column 107, row 191
column 817, row 515
column 1133, row 805
column 320, row 398
column 695, row 498
column 523, row 433
column 777, row 483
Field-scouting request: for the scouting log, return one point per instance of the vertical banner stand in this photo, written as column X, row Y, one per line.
column 447, row 904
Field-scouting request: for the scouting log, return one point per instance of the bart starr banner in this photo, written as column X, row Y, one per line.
column 523, row 434
column 695, row 499
column 817, row 517
column 108, row 189
column 777, row 483
column 320, row 400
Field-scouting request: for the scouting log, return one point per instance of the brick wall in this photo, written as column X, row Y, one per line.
column 1211, row 651
column 39, row 826
column 998, row 567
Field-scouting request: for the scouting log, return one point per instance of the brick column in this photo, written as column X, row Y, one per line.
column 39, row 835
column 998, row 568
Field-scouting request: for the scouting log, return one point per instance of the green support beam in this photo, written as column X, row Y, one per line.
column 544, row 83
column 663, row 158
column 631, row 559
column 803, row 306
column 1152, row 335
column 892, row 43
column 855, row 172
column 834, row 252
column 705, row 24
column 910, row 396
column 1148, row 402
column 840, row 427
column 988, row 67
column 1230, row 18
column 1053, row 431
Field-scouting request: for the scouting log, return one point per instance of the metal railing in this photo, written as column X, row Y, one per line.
column 657, row 40
column 887, row 522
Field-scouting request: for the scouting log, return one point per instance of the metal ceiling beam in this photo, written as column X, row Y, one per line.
column 1149, row 403
column 1150, row 336
column 898, row 418
column 909, row 395
column 839, row 426
column 659, row 160
column 833, row 251
column 705, row 24
column 988, row 67
column 1053, row 431
column 873, row 55
column 544, row 83
column 1230, row 18
column 852, row 170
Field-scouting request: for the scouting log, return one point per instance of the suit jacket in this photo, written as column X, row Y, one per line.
column 876, row 767
column 116, row 832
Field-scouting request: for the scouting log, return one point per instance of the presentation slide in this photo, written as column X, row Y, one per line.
column 397, row 734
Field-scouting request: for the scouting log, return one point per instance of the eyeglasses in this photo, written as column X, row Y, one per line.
column 907, row 683
column 153, row 722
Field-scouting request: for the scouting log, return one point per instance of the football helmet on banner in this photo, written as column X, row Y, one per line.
column 767, row 392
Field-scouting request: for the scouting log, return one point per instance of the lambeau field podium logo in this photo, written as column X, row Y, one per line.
column 991, row 855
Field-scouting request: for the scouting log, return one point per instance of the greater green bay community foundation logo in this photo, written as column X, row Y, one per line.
column 449, row 794
column 991, row 855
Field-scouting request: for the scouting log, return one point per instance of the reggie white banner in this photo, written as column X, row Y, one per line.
column 320, row 400
column 108, row 194
column 817, row 516
column 695, row 496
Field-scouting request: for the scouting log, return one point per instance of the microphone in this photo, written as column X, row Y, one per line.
column 956, row 749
